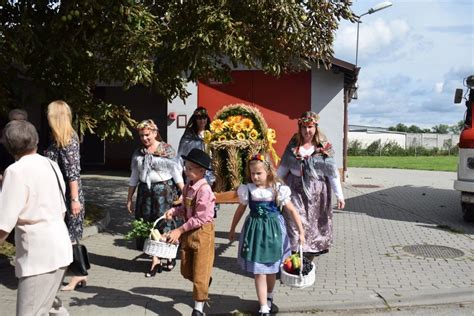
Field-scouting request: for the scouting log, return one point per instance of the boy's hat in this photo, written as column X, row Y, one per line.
column 198, row 157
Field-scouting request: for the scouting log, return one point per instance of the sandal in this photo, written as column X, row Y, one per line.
column 157, row 268
column 170, row 264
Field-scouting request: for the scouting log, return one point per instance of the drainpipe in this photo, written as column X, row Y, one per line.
column 346, row 134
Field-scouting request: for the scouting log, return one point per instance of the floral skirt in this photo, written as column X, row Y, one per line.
column 315, row 212
column 154, row 202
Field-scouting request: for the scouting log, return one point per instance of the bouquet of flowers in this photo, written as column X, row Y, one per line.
column 237, row 132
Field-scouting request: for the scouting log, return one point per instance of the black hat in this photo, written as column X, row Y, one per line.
column 198, row 157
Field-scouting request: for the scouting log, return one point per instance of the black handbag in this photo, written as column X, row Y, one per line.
column 80, row 258
column 80, row 262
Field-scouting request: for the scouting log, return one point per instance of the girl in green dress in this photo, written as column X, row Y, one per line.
column 263, row 240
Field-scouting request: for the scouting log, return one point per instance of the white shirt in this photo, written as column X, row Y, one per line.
column 31, row 202
column 163, row 169
column 263, row 194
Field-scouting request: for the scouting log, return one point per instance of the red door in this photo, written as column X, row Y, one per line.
column 280, row 99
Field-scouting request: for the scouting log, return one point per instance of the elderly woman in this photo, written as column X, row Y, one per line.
column 158, row 177
column 32, row 203
column 309, row 169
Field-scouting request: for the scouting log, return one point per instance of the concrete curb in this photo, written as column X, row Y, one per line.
column 97, row 227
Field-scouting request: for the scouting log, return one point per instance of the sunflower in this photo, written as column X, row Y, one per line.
column 247, row 124
column 217, row 126
column 222, row 138
column 240, row 136
column 207, row 137
column 237, row 127
column 253, row 134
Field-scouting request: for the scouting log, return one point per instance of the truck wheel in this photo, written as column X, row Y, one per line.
column 468, row 212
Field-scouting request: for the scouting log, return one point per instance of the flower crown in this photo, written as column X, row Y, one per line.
column 147, row 124
column 201, row 111
column 257, row 157
column 308, row 120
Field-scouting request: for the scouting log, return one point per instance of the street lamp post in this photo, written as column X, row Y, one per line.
column 378, row 7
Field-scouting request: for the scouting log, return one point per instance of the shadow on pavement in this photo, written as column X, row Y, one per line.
column 412, row 204
column 133, row 265
column 146, row 297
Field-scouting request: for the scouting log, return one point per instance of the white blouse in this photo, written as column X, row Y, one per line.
column 31, row 202
column 263, row 194
column 334, row 181
column 163, row 170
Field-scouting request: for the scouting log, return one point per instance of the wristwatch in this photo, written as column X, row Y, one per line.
column 75, row 199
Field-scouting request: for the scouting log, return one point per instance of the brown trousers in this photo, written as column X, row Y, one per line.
column 197, row 259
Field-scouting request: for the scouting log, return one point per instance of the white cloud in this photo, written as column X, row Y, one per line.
column 374, row 37
column 413, row 56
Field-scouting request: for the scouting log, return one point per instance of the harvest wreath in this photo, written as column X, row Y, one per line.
column 238, row 132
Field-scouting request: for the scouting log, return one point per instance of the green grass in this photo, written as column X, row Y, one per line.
column 436, row 163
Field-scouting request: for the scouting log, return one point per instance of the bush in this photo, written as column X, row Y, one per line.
column 355, row 148
column 374, row 149
column 392, row 148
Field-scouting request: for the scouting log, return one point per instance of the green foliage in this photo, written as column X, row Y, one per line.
column 93, row 214
column 51, row 49
column 140, row 229
column 7, row 250
column 355, row 148
column 392, row 148
column 374, row 149
column 438, row 163
column 440, row 129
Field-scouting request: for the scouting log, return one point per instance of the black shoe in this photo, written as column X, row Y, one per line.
column 197, row 313
column 170, row 264
column 270, row 303
column 157, row 268
column 263, row 314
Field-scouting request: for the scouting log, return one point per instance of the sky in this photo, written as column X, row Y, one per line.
column 413, row 55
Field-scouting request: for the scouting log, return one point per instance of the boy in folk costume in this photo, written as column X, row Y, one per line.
column 197, row 233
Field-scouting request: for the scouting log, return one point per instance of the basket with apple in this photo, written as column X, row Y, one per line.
column 296, row 272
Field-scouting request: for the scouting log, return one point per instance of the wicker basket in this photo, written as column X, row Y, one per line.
column 159, row 248
column 298, row 281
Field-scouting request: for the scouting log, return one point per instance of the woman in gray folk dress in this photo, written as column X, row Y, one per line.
column 309, row 169
column 65, row 151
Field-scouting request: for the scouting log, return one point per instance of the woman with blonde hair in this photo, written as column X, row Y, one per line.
column 156, row 176
column 64, row 150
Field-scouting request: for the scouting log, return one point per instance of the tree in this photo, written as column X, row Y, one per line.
column 457, row 128
column 53, row 49
column 440, row 129
column 399, row 128
column 414, row 129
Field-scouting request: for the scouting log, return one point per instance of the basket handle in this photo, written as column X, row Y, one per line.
column 160, row 218
column 300, row 249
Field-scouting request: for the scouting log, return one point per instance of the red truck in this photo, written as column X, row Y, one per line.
column 465, row 181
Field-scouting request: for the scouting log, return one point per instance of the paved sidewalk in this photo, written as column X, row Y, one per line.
column 368, row 266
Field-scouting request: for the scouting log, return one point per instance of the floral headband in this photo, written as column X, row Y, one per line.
column 257, row 157
column 200, row 111
column 147, row 124
column 309, row 119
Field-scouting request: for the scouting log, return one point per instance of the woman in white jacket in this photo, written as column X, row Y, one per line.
column 32, row 204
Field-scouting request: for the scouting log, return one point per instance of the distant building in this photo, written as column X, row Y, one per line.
column 366, row 135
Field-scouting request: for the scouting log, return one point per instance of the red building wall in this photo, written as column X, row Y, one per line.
column 281, row 100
